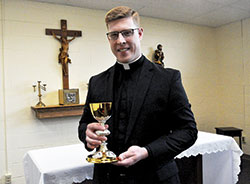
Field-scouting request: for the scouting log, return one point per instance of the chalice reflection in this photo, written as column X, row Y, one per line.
column 102, row 112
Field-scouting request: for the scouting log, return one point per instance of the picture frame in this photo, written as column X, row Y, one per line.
column 68, row 96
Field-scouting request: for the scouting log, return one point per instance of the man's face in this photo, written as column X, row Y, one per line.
column 125, row 49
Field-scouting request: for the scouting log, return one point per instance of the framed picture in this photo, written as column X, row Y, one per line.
column 68, row 96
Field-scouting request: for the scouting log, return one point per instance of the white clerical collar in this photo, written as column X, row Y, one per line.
column 126, row 65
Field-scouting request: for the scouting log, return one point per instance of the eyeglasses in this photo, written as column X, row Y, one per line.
column 125, row 33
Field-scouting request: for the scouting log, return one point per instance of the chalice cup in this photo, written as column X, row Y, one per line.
column 102, row 112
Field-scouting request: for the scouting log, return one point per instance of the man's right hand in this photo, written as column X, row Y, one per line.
column 93, row 140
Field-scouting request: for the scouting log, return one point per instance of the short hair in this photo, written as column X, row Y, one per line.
column 122, row 12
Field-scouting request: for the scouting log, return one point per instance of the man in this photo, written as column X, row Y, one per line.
column 151, row 118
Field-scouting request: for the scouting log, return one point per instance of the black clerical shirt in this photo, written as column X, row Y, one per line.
column 125, row 82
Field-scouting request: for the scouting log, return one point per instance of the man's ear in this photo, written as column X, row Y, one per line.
column 140, row 32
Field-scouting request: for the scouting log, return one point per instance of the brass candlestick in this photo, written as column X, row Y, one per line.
column 40, row 87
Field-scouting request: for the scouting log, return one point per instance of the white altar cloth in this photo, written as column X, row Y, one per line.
column 220, row 157
column 67, row 164
column 57, row 165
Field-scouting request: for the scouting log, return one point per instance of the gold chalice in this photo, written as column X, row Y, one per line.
column 102, row 112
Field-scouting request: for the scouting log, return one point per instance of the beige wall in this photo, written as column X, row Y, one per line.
column 2, row 130
column 214, row 74
column 233, row 77
column 246, row 64
column 192, row 50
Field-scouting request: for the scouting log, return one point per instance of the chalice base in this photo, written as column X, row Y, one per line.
column 102, row 157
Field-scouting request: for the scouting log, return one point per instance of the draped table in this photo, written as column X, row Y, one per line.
column 220, row 157
column 67, row 164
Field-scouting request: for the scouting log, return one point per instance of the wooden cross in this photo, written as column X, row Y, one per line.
column 63, row 56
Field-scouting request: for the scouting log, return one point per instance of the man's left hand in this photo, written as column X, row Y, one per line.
column 133, row 155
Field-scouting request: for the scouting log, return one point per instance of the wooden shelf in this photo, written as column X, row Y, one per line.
column 55, row 111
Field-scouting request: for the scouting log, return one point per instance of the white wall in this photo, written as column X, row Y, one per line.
column 30, row 55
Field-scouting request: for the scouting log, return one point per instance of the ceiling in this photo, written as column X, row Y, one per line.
column 212, row 13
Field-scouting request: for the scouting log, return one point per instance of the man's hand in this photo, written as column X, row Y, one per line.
column 93, row 140
column 133, row 155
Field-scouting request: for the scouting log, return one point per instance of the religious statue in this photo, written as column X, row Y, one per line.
column 63, row 56
column 159, row 55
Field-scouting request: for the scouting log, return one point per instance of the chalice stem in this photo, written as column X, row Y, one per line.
column 103, row 147
column 104, row 132
column 103, row 122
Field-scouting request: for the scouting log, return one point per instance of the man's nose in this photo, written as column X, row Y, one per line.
column 121, row 39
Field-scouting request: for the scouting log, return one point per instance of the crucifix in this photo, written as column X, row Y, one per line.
column 66, row 96
column 63, row 57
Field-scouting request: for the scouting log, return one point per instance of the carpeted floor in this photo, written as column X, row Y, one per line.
column 244, row 176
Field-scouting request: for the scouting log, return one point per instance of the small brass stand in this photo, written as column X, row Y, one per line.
column 40, row 87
